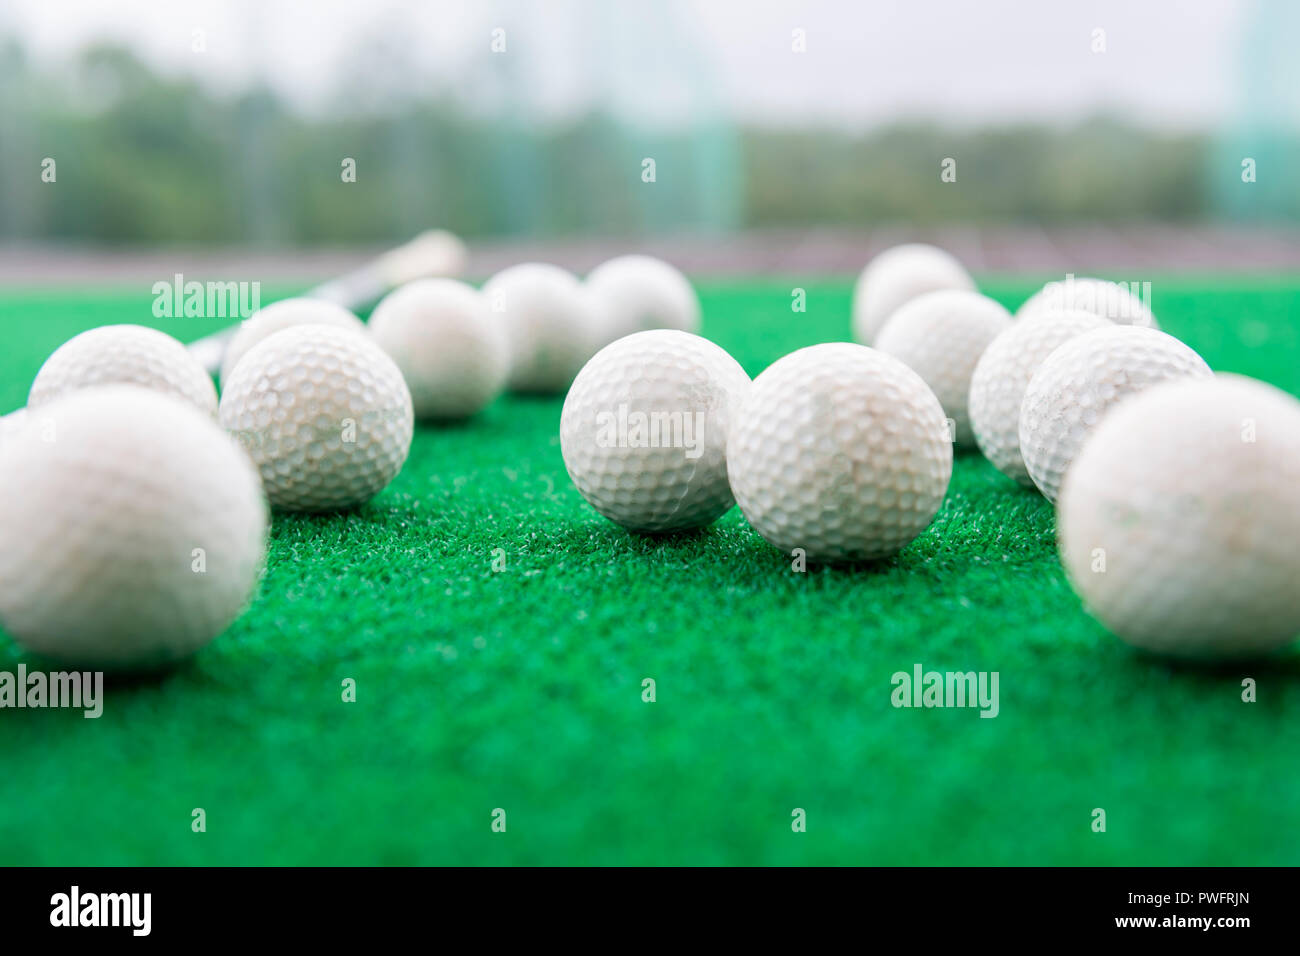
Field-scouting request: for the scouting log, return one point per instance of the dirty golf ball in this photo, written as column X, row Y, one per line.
column 840, row 451
column 1083, row 379
column 644, row 430
column 997, row 387
column 325, row 415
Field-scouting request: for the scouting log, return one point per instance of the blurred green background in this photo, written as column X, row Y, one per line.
column 229, row 124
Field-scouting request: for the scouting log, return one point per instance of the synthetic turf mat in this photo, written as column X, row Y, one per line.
column 521, row 688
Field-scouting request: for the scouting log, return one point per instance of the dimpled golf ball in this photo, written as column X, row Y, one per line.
column 132, row 529
column 452, row 351
column 124, row 355
column 897, row 275
column 644, row 430
column 1110, row 300
column 1179, row 521
column 1081, row 381
column 325, row 415
column 941, row 336
column 997, row 387
column 841, row 451
column 550, row 325
column 639, row 293
column 282, row 315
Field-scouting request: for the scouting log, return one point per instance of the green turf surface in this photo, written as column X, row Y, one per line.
column 521, row 688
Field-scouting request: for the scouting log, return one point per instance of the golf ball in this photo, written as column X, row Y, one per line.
column 897, row 275
column 997, row 387
column 279, row 316
column 1110, row 300
column 1081, row 381
column 325, row 415
column 941, row 336
column 639, row 293
column 451, row 349
column 12, row 424
column 124, row 355
column 644, row 430
column 1178, row 522
column 841, row 451
column 132, row 529
column 550, row 324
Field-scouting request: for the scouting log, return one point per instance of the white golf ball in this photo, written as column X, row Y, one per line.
column 451, row 349
column 997, row 387
column 12, row 424
column 841, row 451
column 897, row 275
column 644, row 430
column 132, row 529
column 1179, row 521
column 550, row 324
column 1110, row 300
column 124, row 355
column 325, row 415
column 639, row 293
column 279, row 316
column 1081, row 381
column 941, row 336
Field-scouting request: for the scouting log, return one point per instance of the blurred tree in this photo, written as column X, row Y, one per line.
column 147, row 158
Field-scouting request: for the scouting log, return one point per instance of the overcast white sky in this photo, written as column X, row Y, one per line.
column 1169, row 62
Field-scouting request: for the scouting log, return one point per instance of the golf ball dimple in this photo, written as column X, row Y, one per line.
column 841, row 451
column 1179, row 520
column 941, row 336
column 132, row 529
column 897, row 275
column 644, row 430
column 124, row 355
column 639, row 293
column 550, row 325
column 452, row 351
column 282, row 315
column 997, row 386
column 1081, row 380
column 1110, row 300
column 325, row 415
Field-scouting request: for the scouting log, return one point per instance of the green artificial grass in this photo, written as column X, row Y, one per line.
column 521, row 688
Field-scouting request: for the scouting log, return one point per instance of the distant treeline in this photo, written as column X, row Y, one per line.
column 139, row 157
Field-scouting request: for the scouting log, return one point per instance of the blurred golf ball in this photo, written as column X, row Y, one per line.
column 897, row 275
column 941, row 336
column 132, row 529
column 451, row 349
column 124, row 355
column 1179, row 519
